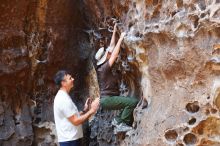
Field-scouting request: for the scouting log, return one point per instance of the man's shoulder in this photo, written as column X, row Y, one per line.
column 60, row 96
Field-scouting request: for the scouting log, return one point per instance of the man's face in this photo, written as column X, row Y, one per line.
column 68, row 81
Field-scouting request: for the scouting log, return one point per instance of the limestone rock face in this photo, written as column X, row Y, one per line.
column 174, row 45
column 170, row 56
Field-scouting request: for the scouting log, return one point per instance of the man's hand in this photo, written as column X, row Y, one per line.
column 87, row 104
column 77, row 120
column 95, row 105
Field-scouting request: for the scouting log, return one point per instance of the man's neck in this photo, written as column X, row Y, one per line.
column 64, row 89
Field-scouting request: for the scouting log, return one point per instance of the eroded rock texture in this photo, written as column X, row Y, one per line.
column 37, row 38
column 170, row 55
column 174, row 44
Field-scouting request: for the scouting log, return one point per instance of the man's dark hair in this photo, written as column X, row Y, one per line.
column 59, row 77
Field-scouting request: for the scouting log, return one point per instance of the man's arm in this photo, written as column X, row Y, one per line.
column 115, row 52
column 75, row 120
column 81, row 113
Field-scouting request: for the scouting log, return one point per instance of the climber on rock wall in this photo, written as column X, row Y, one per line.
column 109, row 88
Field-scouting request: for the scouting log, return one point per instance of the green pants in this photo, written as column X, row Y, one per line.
column 125, row 104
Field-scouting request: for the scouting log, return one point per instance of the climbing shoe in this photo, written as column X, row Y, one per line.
column 122, row 127
column 115, row 122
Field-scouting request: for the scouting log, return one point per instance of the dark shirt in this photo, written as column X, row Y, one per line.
column 108, row 83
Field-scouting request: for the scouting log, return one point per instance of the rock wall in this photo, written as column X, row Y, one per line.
column 37, row 38
column 174, row 44
column 170, row 56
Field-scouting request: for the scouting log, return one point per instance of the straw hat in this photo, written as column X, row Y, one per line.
column 101, row 55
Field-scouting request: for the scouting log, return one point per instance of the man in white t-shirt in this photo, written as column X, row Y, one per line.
column 68, row 119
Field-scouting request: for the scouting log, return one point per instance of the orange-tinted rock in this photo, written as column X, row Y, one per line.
column 217, row 101
column 171, row 135
column 208, row 128
column 189, row 139
column 206, row 142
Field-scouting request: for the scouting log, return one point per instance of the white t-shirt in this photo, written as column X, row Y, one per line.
column 63, row 109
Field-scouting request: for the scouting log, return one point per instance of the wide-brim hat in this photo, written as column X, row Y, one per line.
column 101, row 55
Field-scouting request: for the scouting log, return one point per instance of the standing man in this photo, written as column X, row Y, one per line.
column 109, row 87
column 68, row 119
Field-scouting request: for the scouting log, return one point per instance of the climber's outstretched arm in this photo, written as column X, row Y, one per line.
column 116, row 50
column 112, row 43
